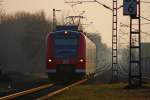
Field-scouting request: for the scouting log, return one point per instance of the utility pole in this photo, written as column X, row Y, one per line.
column 132, row 8
column 135, row 73
column 54, row 19
column 115, row 70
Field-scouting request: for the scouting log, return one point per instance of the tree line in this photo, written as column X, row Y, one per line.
column 22, row 39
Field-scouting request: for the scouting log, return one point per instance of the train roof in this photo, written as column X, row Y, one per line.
column 63, row 31
column 64, row 27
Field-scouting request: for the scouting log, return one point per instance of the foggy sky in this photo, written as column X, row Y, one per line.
column 96, row 13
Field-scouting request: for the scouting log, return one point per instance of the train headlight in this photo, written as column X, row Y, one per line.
column 81, row 60
column 49, row 60
column 66, row 32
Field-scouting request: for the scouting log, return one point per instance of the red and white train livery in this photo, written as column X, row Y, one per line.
column 69, row 55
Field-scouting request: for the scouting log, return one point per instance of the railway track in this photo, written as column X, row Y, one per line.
column 42, row 92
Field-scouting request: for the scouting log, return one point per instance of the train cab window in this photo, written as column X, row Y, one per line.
column 65, row 47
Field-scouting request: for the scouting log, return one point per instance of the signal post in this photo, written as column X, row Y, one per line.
column 132, row 9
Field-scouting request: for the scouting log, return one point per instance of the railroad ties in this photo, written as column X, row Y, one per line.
column 42, row 92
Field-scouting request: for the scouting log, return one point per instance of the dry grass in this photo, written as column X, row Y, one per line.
column 105, row 92
column 4, row 88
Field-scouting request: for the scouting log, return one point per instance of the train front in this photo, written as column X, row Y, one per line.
column 65, row 59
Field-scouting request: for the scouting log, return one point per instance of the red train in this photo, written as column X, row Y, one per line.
column 70, row 55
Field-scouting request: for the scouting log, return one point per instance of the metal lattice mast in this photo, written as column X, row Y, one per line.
column 114, row 43
column 114, row 35
column 135, row 73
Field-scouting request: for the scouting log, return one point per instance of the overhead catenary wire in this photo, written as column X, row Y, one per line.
column 103, row 69
column 145, row 18
column 81, row 2
column 123, row 71
column 125, row 25
column 143, row 24
column 103, row 5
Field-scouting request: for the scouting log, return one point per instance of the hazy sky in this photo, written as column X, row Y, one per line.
column 100, row 16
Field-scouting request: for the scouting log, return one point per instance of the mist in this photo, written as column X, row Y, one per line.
column 22, row 42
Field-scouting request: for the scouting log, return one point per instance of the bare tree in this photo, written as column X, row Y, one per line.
column 22, row 41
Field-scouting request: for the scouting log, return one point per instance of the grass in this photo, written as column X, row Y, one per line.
column 4, row 88
column 105, row 92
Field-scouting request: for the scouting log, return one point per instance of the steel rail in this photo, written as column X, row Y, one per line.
column 33, row 90
column 61, row 90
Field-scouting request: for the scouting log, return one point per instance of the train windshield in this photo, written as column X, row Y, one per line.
column 65, row 46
